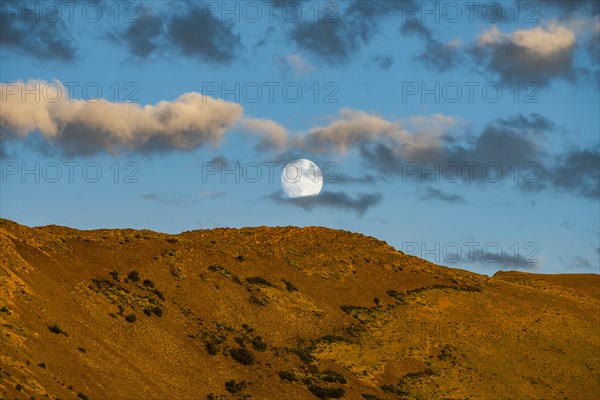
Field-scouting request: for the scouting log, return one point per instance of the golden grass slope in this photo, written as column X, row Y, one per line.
column 280, row 313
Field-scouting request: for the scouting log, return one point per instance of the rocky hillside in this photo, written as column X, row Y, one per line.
column 280, row 313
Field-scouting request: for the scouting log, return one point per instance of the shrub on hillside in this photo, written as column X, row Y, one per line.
column 242, row 355
column 148, row 283
column 327, row 393
column 232, row 386
column 54, row 328
column 257, row 280
column 258, row 344
column 289, row 376
column 133, row 276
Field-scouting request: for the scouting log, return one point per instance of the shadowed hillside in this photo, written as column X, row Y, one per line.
column 280, row 313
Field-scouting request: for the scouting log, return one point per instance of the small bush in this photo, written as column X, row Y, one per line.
column 234, row 387
column 81, row 349
column 176, row 272
column 259, row 300
column 305, row 353
column 446, row 353
column 327, row 393
column 130, row 318
column 257, row 280
column 347, row 309
column 19, row 387
column 42, row 365
column 159, row 294
column 212, row 347
column 368, row 396
column 242, row 355
column 82, row 396
column 157, row 311
column 414, row 375
column 215, row 268
column 114, row 274
column 333, row 339
column 57, row 329
column 148, row 283
column 396, row 295
column 258, row 344
column 133, row 276
column 147, row 311
column 222, row 271
column 333, row 376
column 240, row 258
column 4, row 309
column 394, row 389
column 289, row 376
column 289, row 286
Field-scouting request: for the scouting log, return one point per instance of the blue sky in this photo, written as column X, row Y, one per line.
column 112, row 114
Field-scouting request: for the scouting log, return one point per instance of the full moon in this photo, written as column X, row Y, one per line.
column 301, row 178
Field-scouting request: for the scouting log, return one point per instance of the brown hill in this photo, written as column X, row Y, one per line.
column 280, row 313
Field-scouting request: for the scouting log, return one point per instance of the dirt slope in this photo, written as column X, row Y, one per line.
column 280, row 313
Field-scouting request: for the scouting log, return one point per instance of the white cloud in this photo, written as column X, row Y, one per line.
column 272, row 134
column 192, row 120
column 353, row 128
column 543, row 42
column 84, row 127
column 539, row 55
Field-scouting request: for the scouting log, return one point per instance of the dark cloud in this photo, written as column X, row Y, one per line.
column 220, row 162
column 198, row 33
column 368, row 14
column 414, row 26
column 581, row 264
column 383, row 62
column 265, row 38
column 507, row 146
column 578, row 171
column 332, row 42
column 436, row 55
column 182, row 199
column 340, row 32
column 45, row 38
column 337, row 200
column 193, row 32
column 151, row 197
column 593, row 47
column 503, row 260
column 568, row 7
column 287, row 3
column 371, row 11
column 504, row 142
column 436, row 194
column 342, row 178
column 492, row 256
column 143, row 37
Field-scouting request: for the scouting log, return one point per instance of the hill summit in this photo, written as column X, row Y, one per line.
column 280, row 313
